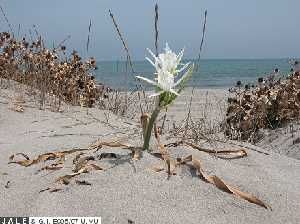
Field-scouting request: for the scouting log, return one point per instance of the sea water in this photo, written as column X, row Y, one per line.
column 212, row 73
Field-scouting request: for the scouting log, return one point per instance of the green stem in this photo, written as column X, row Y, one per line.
column 150, row 127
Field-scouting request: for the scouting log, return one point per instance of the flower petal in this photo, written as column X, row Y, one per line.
column 155, row 94
column 151, row 62
column 179, row 56
column 153, row 55
column 184, row 77
column 173, row 91
column 167, row 48
column 184, row 67
column 147, row 80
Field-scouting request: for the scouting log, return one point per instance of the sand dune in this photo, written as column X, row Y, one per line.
column 129, row 190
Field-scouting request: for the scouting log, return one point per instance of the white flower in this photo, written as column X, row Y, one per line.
column 166, row 65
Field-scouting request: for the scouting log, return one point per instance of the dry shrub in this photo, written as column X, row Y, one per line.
column 269, row 106
column 52, row 76
column 50, row 72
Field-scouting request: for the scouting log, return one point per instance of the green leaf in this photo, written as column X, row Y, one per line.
column 166, row 98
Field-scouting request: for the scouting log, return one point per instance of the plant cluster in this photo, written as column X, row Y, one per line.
column 268, row 105
column 52, row 72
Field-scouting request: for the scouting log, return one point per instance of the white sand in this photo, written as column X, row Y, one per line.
column 129, row 190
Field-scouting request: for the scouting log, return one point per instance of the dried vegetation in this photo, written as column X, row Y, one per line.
column 50, row 72
column 52, row 77
column 267, row 106
column 85, row 162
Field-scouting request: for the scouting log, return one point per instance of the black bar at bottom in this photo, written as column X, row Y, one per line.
column 14, row 220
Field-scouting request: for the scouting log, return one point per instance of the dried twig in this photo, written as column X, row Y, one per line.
column 88, row 40
column 63, row 41
column 202, row 40
column 6, row 20
column 156, row 29
column 122, row 39
column 188, row 115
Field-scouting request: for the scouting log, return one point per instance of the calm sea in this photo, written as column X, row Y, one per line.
column 212, row 73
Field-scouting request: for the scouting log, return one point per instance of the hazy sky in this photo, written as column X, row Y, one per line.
column 235, row 28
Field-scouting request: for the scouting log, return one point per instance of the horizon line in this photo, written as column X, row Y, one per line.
column 190, row 59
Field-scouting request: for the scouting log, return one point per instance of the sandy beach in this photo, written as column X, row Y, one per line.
column 164, row 112
column 128, row 191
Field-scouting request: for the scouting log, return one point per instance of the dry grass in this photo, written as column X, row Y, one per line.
column 200, row 123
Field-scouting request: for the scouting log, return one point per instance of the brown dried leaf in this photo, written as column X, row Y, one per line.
column 61, row 161
column 136, row 151
column 23, row 162
column 184, row 160
column 157, row 168
column 52, row 168
column 51, row 190
column 82, row 162
column 85, row 169
column 17, row 108
column 11, row 158
column 225, row 187
column 66, row 178
column 94, row 167
column 234, row 154
column 59, row 164
column 27, row 161
column 55, row 190
column 106, row 155
column 77, row 157
column 42, row 157
column 157, row 155
column 137, row 154
column 171, row 164
column 45, row 189
column 7, row 184
column 24, row 155
column 82, row 182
